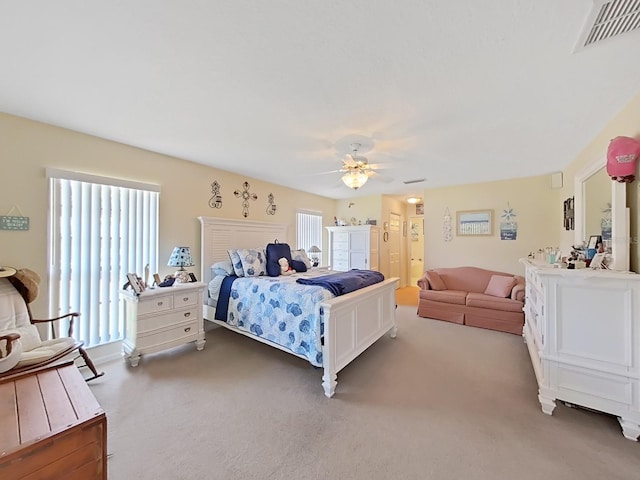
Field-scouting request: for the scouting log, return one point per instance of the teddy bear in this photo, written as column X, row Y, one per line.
column 285, row 269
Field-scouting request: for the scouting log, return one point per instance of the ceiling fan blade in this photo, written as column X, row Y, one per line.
column 379, row 176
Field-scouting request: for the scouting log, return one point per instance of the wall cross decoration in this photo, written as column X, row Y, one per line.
column 246, row 196
column 216, row 200
column 271, row 205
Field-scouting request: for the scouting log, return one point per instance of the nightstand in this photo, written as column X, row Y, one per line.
column 162, row 318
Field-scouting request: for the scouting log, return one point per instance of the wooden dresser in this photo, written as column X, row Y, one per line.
column 51, row 427
column 582, row 329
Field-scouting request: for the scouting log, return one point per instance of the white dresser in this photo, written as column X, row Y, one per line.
column 582, row 329
column 162, row 318
column 354, row 247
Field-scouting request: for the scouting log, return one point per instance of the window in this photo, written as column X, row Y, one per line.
column 308, row 229
column 100, row 229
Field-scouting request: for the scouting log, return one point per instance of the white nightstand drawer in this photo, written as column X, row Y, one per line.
column 169, row 335
column 157, row 304
column 146, row 324
column 185, row 299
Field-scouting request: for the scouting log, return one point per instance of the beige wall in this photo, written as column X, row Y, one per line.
column 539, row 208
column 28, row 147
column 625, row 123
column 539, row 215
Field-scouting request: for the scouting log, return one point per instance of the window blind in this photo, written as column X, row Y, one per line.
column 97, row 234
column 308, row 229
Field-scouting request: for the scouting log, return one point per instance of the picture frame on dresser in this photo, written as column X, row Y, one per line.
column 594, row 240
column 136, row 286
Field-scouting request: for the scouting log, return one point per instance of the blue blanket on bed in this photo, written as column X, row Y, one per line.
column 222, row 307
column 344, row 282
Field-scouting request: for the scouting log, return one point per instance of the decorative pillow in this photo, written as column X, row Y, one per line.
column 500, row 286
column 236, row 262
column 253, row 262
column 301, row 256
column 298, row 266
column 275, row 251
column 435, row 281
column 223, row 268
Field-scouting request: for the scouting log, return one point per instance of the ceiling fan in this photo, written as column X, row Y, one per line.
column 357, row 169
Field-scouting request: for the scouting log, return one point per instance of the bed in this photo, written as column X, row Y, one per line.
column 346, row 325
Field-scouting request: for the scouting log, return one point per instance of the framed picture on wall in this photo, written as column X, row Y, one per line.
column 474, row 222
column 419, row 208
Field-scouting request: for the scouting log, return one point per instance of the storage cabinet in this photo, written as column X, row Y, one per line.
column 162, row 318
column 354, row 247
column 52, row 426
column 582, row 329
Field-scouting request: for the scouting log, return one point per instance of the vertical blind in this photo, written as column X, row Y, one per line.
column 308, row 229
column 98, row 232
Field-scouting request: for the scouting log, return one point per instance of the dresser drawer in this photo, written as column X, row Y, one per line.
column 155, row 304
column 339, row 255
column 185, row 299
column 147, row 324
column 158, row 339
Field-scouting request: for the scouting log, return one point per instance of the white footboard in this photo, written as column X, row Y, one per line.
column 352, row 323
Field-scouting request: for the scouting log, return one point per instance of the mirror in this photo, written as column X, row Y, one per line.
column 594, row 193
column 597, row 206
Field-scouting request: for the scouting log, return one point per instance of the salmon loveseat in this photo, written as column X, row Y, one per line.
column 473, row 296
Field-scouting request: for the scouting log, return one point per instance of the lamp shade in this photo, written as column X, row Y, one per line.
column 181, row 257
column 314, row 249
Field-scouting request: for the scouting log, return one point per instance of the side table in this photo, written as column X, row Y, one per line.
column 162, row 318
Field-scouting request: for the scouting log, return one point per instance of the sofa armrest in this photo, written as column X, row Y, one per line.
column 517, row 292
column 423, row 283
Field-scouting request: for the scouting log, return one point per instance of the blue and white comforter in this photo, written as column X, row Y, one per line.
column 282, row 311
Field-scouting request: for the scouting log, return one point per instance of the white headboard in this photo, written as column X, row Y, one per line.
column 220, row 234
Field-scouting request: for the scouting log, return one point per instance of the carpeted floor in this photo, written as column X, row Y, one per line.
column 441, row 401
column 407, row 296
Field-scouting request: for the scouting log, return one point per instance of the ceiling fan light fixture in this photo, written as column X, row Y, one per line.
column 355, row 179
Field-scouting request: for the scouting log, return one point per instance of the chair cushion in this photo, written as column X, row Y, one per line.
column 13, row 310
column 48, row 349
column 29, row 337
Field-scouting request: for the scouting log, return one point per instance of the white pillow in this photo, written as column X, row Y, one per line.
column 254, row 262
column 236, row 262
column 301, row 256
column 224, row 268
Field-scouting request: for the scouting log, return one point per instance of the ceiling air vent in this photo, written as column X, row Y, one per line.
column 608, row 19
column 409, row 182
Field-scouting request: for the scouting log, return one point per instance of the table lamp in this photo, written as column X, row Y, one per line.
column 314, row 251
column 181, row 257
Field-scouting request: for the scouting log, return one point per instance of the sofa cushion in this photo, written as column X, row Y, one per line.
column 467, row 279
column 435, row 281
column 446, row 296
column 500, row 286
column 480, row 300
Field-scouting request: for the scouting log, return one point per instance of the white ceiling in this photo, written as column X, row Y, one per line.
column 454, row 92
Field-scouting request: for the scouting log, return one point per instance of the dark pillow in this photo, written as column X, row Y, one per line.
column 298, row 265
column 275, row 251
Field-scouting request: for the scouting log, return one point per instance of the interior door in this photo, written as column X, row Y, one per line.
column 394, row 245
column 416, row 239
